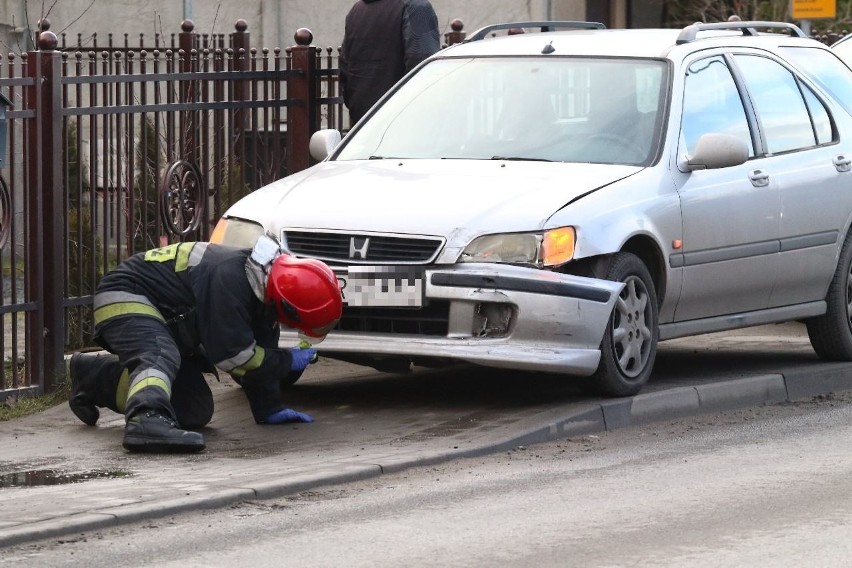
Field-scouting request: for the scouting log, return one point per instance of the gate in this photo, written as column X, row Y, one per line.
column 115, row 151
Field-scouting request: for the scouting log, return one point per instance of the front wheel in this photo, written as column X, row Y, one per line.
column 629, row 345
column 831, row 333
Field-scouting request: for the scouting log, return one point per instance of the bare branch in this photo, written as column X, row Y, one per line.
column 213, row 27
column 49, row 10
column 92, row 3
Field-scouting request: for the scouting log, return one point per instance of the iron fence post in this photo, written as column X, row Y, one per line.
column 457, row 34
column 240, row 45
column 302, row 113
column 187, row 40
column 4, row 104
column 45, row 261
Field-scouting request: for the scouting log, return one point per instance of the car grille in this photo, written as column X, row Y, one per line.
column 431, row 320
column 380, row 249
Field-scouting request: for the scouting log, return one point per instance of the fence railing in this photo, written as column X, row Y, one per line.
column 113, row 151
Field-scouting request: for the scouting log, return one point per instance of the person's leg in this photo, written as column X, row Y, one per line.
column 96, row 379
column 191, row 395
column 149, row 353
column 99, row 381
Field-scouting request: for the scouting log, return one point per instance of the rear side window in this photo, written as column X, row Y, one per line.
column 787, row 121
column 826, row 70
column 819, row 116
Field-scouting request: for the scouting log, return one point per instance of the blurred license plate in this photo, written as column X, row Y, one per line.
column 389, row 286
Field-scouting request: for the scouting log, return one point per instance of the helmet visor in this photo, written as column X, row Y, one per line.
column 321, row 331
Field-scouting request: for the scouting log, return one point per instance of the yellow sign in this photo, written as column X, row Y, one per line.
column 813, row 9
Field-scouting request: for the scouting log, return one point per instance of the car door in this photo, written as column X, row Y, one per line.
column 729, row 249
column 812, row 172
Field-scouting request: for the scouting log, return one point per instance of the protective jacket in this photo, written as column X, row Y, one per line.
column 382, row 41
column 201, row 291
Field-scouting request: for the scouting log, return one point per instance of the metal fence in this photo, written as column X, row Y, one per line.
column 119, row 149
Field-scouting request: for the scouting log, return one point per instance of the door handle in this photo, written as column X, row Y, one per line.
column 759, row 178
column 842, row 163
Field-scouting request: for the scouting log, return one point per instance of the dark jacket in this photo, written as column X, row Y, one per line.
column 382, row 41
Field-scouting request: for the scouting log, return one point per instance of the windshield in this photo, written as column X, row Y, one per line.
column 592, row 110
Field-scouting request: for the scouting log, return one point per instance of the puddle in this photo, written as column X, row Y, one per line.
column 38, row 477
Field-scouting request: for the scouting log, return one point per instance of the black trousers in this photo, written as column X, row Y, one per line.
column 149, row 370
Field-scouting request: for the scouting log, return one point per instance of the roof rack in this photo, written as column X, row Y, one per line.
column 690, row 33
column 481, row 33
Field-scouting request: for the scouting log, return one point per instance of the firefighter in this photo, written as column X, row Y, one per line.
column 169, row 314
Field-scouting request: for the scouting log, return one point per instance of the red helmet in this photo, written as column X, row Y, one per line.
column 305, row 294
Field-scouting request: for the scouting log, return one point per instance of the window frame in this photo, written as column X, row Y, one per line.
column 757, row 133
column 801, row 83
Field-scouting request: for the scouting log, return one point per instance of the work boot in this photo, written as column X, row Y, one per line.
column 81, row 401
column 149, row 431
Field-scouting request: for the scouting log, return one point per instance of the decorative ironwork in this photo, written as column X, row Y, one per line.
column 181, row 198
column 5, row 213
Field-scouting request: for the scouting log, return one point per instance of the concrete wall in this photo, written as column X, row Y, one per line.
column 272, row 23
column 13, row 37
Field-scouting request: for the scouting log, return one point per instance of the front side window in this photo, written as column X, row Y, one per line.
column 712, row 104
column 595, row 110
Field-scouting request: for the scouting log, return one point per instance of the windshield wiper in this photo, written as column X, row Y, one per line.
column 519, row 159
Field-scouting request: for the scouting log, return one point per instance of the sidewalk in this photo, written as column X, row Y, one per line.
column 366, row 425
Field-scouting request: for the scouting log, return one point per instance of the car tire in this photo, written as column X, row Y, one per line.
column 629, row 345
column 831, row 333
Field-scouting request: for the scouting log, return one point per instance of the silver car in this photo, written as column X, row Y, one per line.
column 560, row 201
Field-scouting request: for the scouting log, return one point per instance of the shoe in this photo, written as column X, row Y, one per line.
column 150, row 431
column 80, row 401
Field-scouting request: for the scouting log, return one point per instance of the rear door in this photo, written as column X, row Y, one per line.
column 803, row 131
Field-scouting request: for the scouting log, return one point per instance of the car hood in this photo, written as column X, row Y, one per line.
column 424, row 197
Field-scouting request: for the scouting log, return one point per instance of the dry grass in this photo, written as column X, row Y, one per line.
column 18, row 406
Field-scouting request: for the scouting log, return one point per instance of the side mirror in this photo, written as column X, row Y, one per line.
column 715, row 151
column 323, row 143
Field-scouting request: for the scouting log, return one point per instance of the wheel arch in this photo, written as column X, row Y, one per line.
column 650, row 254
column 644, row 247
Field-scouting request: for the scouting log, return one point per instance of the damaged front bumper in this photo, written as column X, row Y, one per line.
column 489, row 314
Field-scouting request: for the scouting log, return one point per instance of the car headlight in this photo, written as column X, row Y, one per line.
column 236, row 232
column 548, row 248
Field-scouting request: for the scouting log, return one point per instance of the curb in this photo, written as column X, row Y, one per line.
column 598, row 417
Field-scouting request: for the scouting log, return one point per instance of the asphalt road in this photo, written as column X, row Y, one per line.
column 371, row 424
column 761, row 487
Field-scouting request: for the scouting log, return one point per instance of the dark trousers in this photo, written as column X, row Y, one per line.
column 146, row 353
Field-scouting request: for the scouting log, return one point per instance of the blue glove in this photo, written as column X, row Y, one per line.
column 287, row 415
column 301, row 358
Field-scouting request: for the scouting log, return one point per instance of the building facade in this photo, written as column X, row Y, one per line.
column 272, row 23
